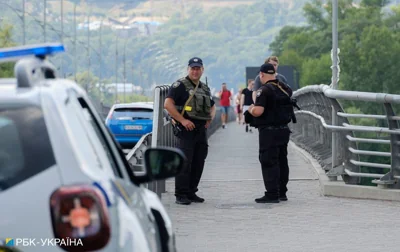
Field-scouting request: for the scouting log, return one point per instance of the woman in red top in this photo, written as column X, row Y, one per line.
column 225, row 96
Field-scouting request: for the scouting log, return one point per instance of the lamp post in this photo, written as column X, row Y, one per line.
column 116, row 67
column 132, row 75
column 62, row 36
column 93, row 50
column 44, row 20
column 23, row 22
column 88, row 45
column 101, row 51
column 335, row 67
column 334, row 85
column 126, row 40
column 75, row 55
column 100, row 57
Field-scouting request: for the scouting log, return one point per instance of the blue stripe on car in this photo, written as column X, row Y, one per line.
column 104, row 193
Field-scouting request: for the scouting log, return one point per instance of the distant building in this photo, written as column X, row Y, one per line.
column 121, row 88
column 135, row 26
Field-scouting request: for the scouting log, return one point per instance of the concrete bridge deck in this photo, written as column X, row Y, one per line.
column 230, row 220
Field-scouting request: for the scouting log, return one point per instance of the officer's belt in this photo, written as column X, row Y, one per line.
column 273, row 127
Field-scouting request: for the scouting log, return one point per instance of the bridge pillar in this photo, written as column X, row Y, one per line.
column 335, row 162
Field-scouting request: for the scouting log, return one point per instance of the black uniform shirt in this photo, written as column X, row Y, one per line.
column 257, row 82
column 269, row 96
column 178, row 93
column 264, row 97
column 248, row 97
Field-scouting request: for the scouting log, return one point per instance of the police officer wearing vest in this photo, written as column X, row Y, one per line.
column 272, row 112
column 192, row 121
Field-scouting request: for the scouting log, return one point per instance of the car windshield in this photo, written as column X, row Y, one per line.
column 132, row 113
column 25, row 148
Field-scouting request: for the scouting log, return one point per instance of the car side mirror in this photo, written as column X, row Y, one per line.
column 163, row 162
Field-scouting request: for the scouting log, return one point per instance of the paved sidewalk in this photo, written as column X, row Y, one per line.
column 230, row 220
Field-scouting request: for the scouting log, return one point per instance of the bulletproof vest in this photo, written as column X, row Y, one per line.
column 199, row 106
column 281, row 111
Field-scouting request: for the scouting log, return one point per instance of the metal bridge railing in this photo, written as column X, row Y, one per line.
column 324, row 130
column 162, row 134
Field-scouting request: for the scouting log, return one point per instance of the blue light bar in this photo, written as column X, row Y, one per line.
column 42, row 50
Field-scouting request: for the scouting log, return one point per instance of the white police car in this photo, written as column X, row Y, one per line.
column 64, row 183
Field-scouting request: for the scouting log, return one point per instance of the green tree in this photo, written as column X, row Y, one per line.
column 316, row 71
column 377, row 50
column 314, row 13
column 6, row 69
column 369, row 42
column 277, row 46
column 393, row 19
column 375, row 3
column 87, row 80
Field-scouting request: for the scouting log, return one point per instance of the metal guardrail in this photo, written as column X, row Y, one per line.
column 136, row 156
column 323, row 129
column 162, row 127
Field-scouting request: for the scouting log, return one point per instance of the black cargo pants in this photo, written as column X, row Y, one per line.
column 273, row 143
column 195, row 147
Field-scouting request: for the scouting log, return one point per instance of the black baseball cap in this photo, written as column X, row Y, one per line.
column 195, row 62
column 267, row 68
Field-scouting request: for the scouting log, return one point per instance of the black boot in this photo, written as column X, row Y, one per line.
column 195, row 198
column 283, row 197
column 267, row 199
column 182, row 200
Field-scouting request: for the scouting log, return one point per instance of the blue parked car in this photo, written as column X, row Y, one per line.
column 128, row 122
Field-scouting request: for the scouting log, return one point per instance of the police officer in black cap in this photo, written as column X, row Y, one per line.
column 272, row 112
column 189, row 103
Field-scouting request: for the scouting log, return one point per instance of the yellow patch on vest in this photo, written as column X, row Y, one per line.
column 188, row 108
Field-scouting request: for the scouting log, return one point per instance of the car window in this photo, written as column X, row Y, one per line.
column 132, row 113
column 25, row 148
column 97, row 130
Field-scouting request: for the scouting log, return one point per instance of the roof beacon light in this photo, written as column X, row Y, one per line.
column 41, row 51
